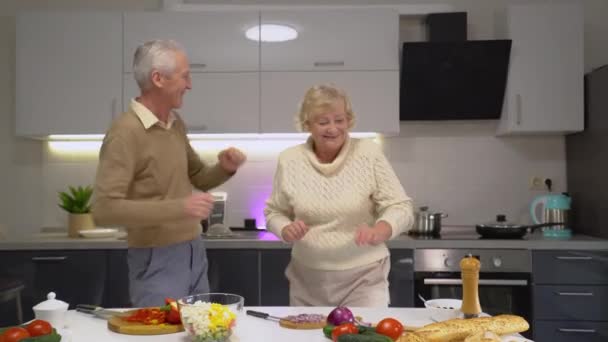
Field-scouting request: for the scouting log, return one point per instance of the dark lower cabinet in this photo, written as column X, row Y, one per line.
column 75, row 276
column 401, row 278
column 100, row 277
column 275, row 287
column 570, row 331
column 570, row 295
column 117, row 281
column 235, row 271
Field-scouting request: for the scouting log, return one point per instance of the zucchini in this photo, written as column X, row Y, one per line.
column 365, row 328
column 327, row 330
column 379, row 337
column 371, row 337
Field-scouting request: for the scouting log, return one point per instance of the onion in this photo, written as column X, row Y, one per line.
column 340, row 315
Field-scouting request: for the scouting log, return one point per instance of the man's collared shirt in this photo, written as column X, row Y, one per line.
column 148, row 119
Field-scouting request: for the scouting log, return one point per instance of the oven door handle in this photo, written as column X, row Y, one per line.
column 486, row 282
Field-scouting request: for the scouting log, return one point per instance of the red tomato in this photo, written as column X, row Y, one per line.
column 39, row 327
column 343, row 329
column 390, row 327
column 15, row 334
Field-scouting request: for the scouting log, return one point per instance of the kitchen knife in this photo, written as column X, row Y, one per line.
column 262, row 315
column 98, row 311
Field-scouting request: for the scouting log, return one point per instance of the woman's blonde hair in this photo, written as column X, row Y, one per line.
column 319, row 99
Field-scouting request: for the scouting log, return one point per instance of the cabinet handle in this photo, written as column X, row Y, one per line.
column 574, row 258
column 50, row 258
column 405, row 261
column 518, row 108
column 577, row 331
column 487, row 282
column 200, row 128
column 575, row 294
column 198, row 65
column 329, row 63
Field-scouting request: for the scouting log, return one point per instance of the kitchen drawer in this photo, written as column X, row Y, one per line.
column 570, row 267
column 552, row 331
column 583, row 303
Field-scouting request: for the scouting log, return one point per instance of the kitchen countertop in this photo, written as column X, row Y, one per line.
column 457, row 238
column 84, row 327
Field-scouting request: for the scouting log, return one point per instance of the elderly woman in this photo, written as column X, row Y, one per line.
column 338, row 200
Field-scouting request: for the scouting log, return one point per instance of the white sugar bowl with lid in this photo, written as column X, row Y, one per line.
column 52, row 310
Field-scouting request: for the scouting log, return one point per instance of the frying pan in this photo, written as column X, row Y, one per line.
column 501, row 229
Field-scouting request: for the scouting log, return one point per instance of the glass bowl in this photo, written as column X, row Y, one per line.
column 210, row 317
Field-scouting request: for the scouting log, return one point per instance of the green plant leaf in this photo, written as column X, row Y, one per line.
column 77, row 200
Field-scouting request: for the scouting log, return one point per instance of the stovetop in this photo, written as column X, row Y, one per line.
column 458, row 233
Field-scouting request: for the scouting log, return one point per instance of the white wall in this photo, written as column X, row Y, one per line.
column 457, row 167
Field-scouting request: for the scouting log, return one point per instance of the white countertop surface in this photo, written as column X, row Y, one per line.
column 84, row 327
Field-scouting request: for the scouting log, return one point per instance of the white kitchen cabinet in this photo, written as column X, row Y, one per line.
column 545, row 83
column 220, row 102
column 68, row 72
column 214, row 41
column 374, row 97
column 334, row 39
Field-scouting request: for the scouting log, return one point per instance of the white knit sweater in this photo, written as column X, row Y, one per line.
column 333, row 200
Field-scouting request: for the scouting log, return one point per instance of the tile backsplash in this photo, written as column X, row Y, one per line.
column 460, row 168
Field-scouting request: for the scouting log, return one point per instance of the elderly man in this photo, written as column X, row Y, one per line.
column 145, row 179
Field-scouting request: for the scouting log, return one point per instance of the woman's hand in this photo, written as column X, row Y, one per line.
column 375, row 235
column 294, row 231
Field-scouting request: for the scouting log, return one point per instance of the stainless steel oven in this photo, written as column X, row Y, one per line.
column 504, row 279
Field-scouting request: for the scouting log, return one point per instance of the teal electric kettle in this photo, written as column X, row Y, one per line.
column 554, row 208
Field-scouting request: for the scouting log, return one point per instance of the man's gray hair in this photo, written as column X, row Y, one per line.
column 154, row 55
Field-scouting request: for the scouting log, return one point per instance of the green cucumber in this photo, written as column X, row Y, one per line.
column 327, row 330
column 367, row 337
column 379, row 337
column 364, row 328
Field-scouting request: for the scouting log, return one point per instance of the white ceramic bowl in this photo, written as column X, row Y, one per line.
column 98, row 233
column 443, row 309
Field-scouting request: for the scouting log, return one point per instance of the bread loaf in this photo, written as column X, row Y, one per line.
column 483, row 336
column 456, row 330
column 411, row 337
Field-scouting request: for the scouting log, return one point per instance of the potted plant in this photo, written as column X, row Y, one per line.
column 76, row 203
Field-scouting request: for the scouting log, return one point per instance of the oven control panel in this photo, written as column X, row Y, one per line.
column 492, row 260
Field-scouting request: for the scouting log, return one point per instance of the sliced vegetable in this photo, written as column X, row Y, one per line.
column 172, row 311
column 342, row 329
column 390, row 327
column 150, row 316
column 340, row 315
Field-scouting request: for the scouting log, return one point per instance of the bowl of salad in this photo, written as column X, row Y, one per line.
column 210, row 317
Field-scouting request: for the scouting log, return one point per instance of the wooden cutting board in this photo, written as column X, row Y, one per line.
column 118, row 325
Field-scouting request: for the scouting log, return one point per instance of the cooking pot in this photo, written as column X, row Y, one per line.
column 501, row 229
column 427, row 223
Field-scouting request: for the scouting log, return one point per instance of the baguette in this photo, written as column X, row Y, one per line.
column 411, row 337
column 456, row 330
column 483, row 336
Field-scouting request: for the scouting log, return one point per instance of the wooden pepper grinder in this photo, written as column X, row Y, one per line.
column 469, row 267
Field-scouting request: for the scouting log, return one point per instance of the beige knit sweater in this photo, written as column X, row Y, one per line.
column 333, row 199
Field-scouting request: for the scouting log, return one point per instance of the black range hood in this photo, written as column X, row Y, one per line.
column 451, row 79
